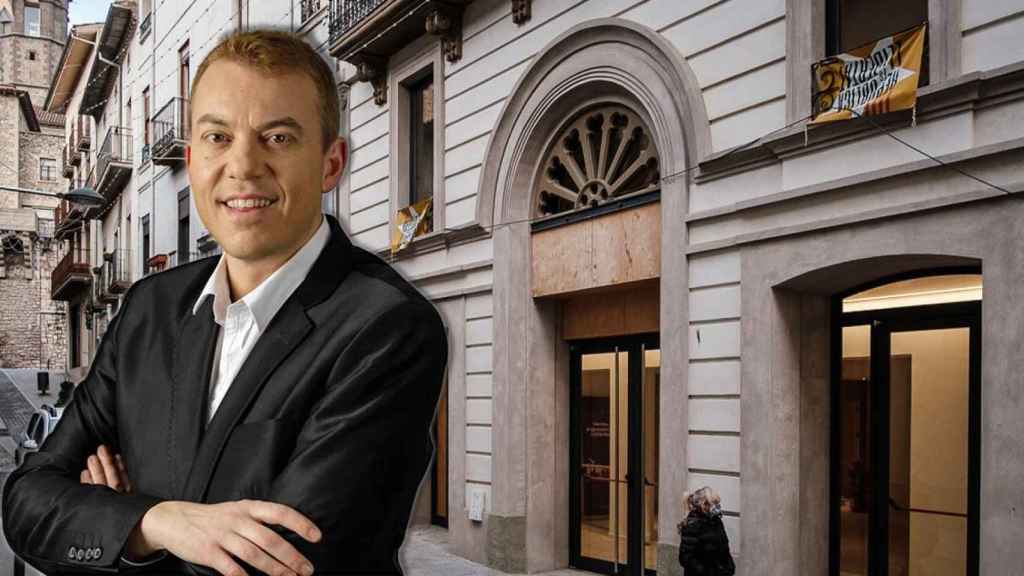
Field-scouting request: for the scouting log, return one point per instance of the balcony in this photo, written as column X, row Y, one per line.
column 170, row 133
column 113, row 277
column 82, row 134
column 110, row 44
column 66, row 219
column 144, row 27
column 365, row 33
column 310, row 8
column 179, row 258
column 67, row 168
column 114, row 162
column 156, row 263
column 72, row 275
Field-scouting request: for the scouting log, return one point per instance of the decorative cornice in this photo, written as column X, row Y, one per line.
column 447, row 24
column 968, row 92
column 521, row 12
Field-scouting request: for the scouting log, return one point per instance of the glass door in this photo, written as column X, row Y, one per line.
column 907, row 443
column 614, row 432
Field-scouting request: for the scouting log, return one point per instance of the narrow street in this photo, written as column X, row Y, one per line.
column 426, row 552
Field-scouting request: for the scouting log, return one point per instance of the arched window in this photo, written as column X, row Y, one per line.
column 603, row 154
column 13, row 250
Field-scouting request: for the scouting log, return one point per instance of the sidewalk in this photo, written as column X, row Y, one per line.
column 426, row 553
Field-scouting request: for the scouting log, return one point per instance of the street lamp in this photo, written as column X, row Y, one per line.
column 85, row 196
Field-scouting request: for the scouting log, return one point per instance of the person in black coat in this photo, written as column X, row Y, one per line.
column 703, row 545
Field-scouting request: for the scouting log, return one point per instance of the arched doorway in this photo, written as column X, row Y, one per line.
column 906, row 408
column 628, row 75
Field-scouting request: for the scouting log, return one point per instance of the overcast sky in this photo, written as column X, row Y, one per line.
column 84, row 11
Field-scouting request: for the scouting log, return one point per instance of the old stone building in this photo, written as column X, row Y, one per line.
column 32, row 140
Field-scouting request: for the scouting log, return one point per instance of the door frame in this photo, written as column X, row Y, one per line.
column 884, row 322
column 633, row 344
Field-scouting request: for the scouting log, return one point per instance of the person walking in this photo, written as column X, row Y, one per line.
column 703, row 545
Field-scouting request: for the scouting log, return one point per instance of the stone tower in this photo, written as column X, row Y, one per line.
column 32, row 38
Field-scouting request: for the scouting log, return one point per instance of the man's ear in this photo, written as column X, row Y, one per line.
column 188, row 155
column 334, row 164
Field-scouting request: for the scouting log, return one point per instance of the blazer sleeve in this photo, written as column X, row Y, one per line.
column 50, row 518
column 362, row 452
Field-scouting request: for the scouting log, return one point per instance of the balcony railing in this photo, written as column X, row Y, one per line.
column 114, row 278
column 365, row 33
column 66, row 168
column 156, row 263
column 84, row 132
column 310, row 8
column 71, row 275
column 179, row 258
column 114, row 162
column 66, row 219
column 144, row 27
column 345, row 14
column 170, row 132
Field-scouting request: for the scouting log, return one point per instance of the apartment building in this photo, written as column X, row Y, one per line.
column 657, row 276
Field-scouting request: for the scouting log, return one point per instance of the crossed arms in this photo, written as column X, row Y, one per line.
column 353, row 473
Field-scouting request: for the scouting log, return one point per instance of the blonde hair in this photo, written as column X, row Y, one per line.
column 703, row 499
column 279, row 52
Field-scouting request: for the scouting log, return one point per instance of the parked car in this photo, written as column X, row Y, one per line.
column 40, row 425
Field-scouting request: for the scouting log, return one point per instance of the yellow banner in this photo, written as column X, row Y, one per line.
column 873, row 79
column 410, row 222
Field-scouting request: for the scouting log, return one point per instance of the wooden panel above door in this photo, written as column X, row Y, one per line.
column 616, row 249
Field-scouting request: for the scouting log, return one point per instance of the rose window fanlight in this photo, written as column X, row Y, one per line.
column 604, row 154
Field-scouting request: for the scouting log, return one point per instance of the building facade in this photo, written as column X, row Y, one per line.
column 31, row 324
column 655, row 274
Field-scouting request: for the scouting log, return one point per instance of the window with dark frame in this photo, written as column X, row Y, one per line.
column 183, row 71
column 32, row 20
column 74, row 335
column 853, row 23
column 421, row 138
column 47, row 169
column 183, row 226
column 145, row 244
column 145, row 115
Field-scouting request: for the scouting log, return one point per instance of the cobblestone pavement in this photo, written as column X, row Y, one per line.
column 426, row 552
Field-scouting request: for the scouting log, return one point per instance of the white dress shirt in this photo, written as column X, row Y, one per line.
column 243, row 321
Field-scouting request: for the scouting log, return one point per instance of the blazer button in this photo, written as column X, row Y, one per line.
column 98, row 552
column 88, row 553
column 71, row 552
column 79, row 554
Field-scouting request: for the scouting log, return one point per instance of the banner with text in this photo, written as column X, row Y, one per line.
column 873, row 79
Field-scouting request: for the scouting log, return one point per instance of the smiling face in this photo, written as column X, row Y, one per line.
column 257, row 161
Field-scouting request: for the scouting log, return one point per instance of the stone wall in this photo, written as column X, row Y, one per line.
column 10, row 119
column 32, row 327
column 35, row 145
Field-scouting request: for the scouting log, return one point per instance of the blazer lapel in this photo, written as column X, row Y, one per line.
column 193, row 362
column 286, row 331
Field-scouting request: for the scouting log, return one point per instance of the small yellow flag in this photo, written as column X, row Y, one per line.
column 872, row 79
column 410, row 222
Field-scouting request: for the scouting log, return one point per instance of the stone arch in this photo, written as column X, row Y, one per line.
column 600, row 61
column 787, row 291
column 13, row 251
column 610, row 58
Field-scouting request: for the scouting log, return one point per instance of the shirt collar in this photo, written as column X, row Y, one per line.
column 266, row 299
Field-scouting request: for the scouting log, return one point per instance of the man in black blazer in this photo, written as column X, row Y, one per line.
column 311, row 446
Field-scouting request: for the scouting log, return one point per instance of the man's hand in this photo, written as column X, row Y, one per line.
column 106, row 468
column 208, row 534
